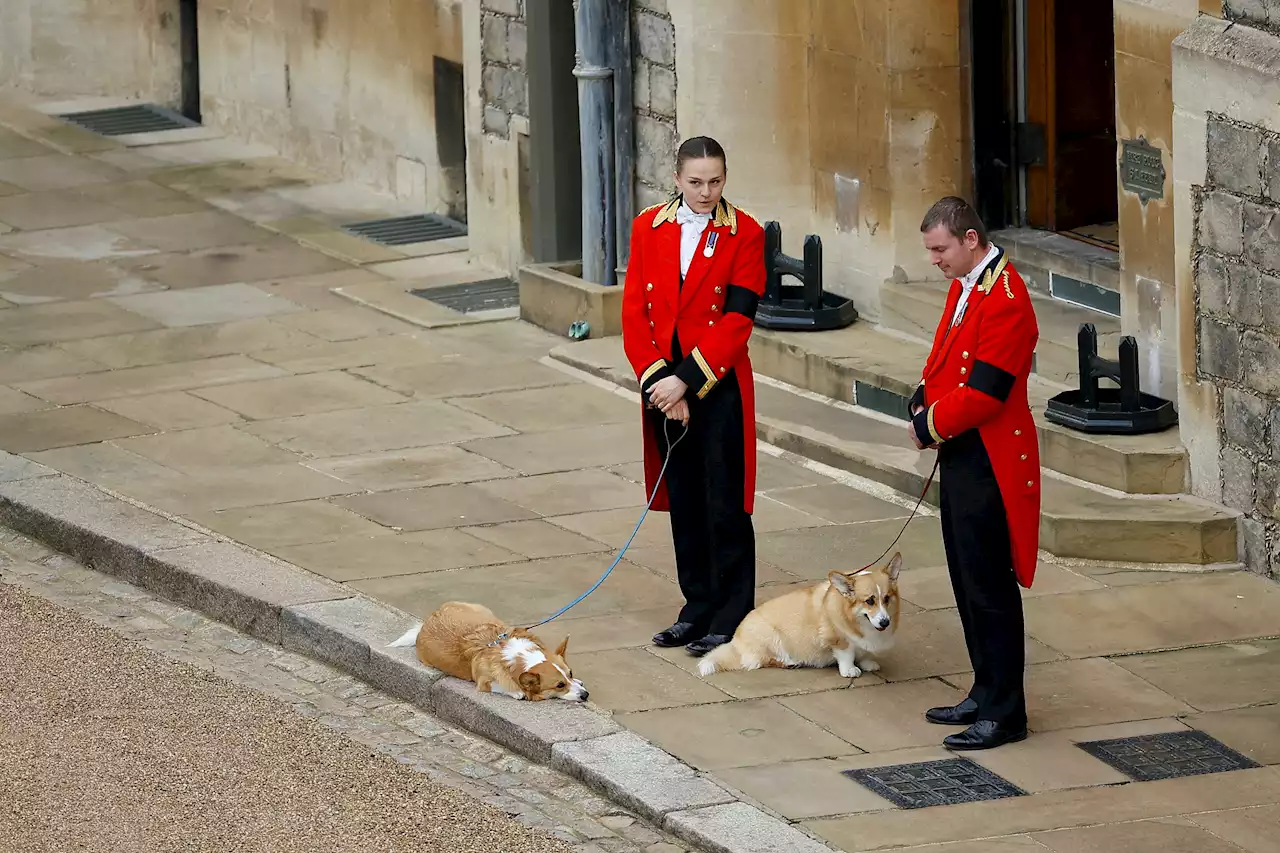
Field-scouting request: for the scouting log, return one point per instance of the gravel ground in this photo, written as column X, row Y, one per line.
column 107, row 746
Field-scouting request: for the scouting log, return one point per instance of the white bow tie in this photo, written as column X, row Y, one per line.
column 686, row 216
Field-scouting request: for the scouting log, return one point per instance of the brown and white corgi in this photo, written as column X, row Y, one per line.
column 843, row 620
column 469, row 642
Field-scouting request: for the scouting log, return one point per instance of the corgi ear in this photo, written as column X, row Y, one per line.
column 563, row 647
column 895, row 566
column 530, row 682
column 840, row 583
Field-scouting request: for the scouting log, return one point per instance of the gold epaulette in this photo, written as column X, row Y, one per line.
column 989, row 278
column 668, row 212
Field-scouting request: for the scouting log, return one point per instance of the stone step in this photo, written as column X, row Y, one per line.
column 879, row 370
column 913, row 308
column 1077, row 522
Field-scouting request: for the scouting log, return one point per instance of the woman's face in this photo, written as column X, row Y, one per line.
column 702, row 183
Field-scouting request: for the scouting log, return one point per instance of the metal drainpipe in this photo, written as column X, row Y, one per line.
column 595, row 110
column 624, row 122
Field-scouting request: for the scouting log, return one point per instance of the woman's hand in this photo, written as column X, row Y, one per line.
column 679, row 412
column 667, row 392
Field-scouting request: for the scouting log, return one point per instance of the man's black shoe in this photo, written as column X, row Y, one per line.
column 985, row 734
column 707, row 643
column 679, row 634
column 964, row 714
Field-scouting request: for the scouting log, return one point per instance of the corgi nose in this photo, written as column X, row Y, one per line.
column 881, row 624
column 586, row 694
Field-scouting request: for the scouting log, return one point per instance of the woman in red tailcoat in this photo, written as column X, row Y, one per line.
column 695, row 277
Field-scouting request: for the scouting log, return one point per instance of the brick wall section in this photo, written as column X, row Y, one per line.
column 505, row 71
column 1238, row 314
column 653, row 40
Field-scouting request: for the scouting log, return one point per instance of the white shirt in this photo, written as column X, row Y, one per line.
column 691, row 227
column 968, row 281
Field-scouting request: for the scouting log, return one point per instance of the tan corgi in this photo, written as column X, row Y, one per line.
column 469, row 642
column 843, row 620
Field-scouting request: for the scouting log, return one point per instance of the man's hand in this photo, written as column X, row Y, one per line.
column 917, row 409
column 679, row 412
column 915, row 439
column 667, row 392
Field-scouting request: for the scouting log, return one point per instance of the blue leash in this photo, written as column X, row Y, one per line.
column 670, row 447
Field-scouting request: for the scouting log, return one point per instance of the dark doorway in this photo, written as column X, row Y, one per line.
column 189, row 45
column 994, row 99
column 451, row 135
column 555, row 148
column 1044, row 115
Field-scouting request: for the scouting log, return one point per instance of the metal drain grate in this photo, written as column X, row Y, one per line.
column 1167, row 756
column 138, row 118
column 491, row 295
column 403, row 230
column 934, row 783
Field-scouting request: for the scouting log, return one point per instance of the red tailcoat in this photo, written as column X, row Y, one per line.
column 713, row 314
column 976, row 377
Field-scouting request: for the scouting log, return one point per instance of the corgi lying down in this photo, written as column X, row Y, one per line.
column 469, row 642
column 843, row 620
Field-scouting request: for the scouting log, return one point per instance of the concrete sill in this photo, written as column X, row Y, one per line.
column 554, row 296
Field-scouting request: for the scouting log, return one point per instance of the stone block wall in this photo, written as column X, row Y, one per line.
column 1262, row 14
column 653, row 40
column 505, row 75
column 1237, row 272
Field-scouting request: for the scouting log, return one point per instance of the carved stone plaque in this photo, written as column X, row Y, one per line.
column 1142, row 169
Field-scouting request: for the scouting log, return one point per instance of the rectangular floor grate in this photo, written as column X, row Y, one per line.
column 490, row 295
column 1167, row 756
column 934, row 783
column 138, row 118
column 402, row 230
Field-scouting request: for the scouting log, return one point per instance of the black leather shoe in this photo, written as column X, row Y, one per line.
column 964, row 714
column 707, row 643
column 679, row 634
column 985, row 734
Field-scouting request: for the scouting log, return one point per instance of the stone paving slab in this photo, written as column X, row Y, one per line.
column 66, row 321
column 189, row 343
column 56, row 209
column 70, row 280
column 48, row 428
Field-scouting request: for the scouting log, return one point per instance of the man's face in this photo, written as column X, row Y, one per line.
column 953, row 256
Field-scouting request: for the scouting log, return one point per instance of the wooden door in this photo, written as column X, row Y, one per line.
column 1070, row 103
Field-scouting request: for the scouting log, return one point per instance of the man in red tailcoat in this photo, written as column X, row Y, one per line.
column 972, row 407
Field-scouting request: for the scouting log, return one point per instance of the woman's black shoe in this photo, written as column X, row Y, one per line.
column 708, row 643
column 679, row 634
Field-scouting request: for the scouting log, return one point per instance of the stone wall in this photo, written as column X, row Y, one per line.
column 1263, row 14
column 1238, row 306
column 75, row 48
column 505, row 76
column 343, row 86
column 653, row 41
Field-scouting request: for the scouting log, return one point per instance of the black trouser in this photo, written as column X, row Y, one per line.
column 714, row 539
column 975, row 533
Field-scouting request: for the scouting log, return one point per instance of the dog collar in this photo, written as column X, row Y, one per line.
column 497, row 641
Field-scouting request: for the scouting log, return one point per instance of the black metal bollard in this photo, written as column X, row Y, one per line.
column 1123, row 410
column 803, row 307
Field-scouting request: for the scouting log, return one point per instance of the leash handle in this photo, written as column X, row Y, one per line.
column 670, row 447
